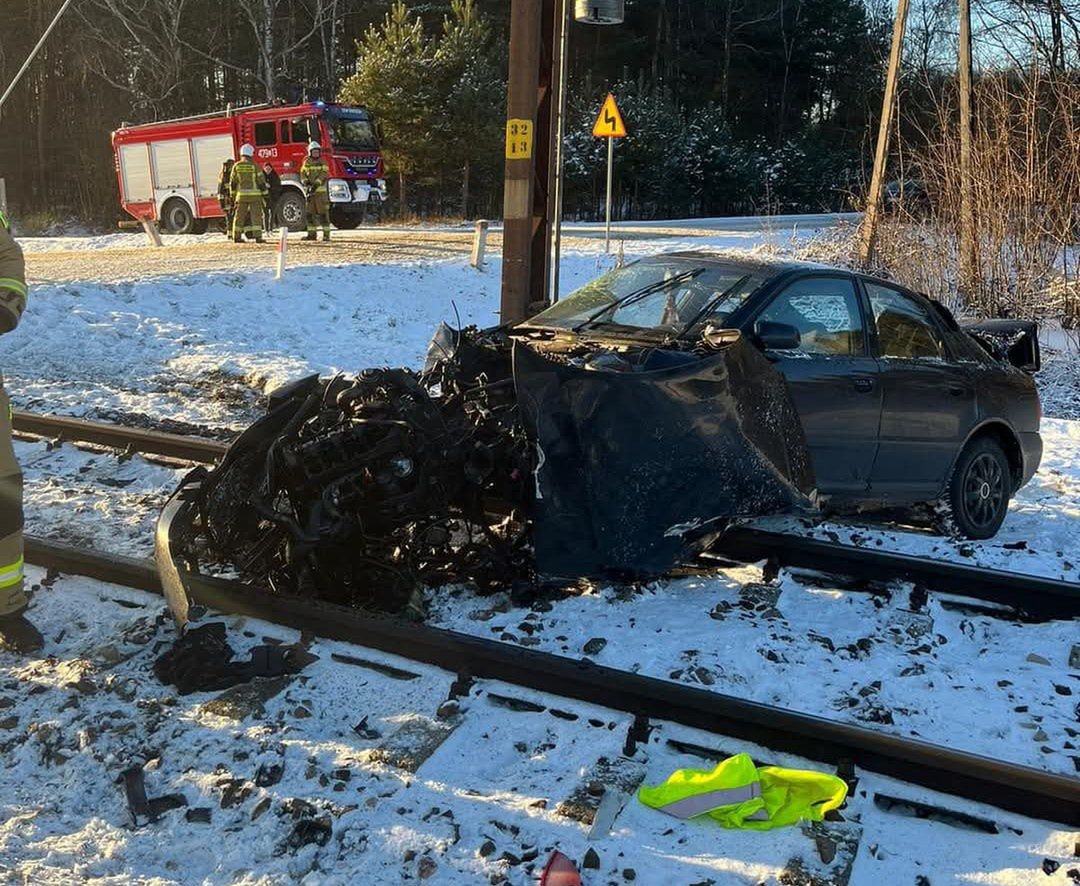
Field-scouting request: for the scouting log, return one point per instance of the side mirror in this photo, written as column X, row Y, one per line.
column 777, row 336
column 716, row 337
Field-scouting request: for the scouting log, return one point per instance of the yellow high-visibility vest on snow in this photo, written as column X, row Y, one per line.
column 738, row 794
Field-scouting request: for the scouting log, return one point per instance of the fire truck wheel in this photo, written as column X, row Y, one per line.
column 346, row 221
column 176, row 217
column 291, row 210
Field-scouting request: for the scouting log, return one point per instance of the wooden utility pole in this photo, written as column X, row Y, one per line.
column 967, row 207
column 868, row 234
column 529, row 142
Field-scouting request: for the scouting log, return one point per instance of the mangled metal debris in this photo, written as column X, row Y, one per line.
column 511, row 458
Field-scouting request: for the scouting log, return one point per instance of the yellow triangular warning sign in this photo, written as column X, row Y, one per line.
column 609, row 123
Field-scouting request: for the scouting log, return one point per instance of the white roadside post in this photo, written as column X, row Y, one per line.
column 151, row 229
column 479, row 245
column 609, row 124
column 282, row 247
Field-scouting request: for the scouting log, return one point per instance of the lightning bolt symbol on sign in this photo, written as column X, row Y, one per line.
column 609, row 122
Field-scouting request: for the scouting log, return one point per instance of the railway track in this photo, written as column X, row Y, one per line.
column 1020, row 789
column 850, row 748
column 1029, row 596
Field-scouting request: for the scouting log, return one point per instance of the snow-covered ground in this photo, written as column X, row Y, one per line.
column 198, row 350
column 483, row 808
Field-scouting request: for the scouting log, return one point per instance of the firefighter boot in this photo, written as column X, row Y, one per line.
column 310, row 235
column 18, row 634
column 326, row 235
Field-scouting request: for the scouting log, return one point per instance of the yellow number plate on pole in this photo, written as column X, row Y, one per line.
column 519, row 139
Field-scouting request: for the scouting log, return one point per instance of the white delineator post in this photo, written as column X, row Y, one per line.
column 479, row 244
column 151, row 229
column 282, row 246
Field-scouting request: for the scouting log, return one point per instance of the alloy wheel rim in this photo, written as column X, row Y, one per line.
column 984, row 489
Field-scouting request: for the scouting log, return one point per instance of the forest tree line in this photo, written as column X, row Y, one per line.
column 733, row 105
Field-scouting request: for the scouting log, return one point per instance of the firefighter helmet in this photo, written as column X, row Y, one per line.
column 247, row 150
column 314, row 146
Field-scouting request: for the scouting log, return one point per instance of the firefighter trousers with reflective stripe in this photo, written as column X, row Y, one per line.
column 12, row 599
column 248, row 215
column 318, row 211
column 738, row 794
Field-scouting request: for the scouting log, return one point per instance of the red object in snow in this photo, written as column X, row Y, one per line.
column 560, row 871
column 169, row 170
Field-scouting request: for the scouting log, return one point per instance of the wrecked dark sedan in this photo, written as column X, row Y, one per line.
column 617, row 434
column 899, row 404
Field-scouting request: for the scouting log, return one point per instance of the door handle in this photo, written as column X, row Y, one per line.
column 863, row 384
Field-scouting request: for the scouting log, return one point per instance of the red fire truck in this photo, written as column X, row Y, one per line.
column 169, row 170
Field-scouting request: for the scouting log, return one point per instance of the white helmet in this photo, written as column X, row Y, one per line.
column 247, row 150
column 313, row 146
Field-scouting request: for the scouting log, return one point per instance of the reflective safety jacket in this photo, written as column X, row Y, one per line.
column 246, row 180
column 313, row 175
column 12, row 278
column 738, row 794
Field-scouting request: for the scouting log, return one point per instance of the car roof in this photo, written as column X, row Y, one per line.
column 767, row 265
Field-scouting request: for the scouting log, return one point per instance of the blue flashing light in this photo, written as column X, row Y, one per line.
column 319, row 104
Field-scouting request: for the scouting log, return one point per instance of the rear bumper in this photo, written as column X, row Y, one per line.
column 1031, row 448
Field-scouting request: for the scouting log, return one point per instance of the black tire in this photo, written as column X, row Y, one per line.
column 290, row 210
column 177, row 217
column 979, row 490
column 200, row 226
column 345, row 220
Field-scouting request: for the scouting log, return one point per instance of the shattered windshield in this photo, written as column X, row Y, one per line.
column 352, row 130
column 664, row 296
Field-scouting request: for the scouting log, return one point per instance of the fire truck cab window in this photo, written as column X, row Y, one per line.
column 302, row 130
column 265, row 134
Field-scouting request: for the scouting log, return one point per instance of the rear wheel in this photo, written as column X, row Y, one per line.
column 291, row 210
column 177, row 217
column 978, row 494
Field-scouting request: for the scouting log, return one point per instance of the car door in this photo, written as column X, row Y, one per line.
column 928, row 405
column 833, row 378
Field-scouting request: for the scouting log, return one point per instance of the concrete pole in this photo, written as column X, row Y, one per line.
column 868, row 234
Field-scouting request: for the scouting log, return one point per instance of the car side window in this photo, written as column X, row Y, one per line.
column 825, row 310
column 905, row 329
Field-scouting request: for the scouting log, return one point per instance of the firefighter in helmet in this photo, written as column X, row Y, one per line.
column 225, row 195
column 248, row 187
column 314, row 174
column 15, row 631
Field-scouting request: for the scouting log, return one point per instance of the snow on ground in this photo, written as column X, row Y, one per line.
column 948, row 677
column 483, row 808
column 93, row 499
column 198, row 350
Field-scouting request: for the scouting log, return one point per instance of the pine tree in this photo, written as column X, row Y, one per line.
column 395, row 79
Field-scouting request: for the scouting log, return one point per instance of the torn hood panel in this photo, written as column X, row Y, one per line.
column 632, row 466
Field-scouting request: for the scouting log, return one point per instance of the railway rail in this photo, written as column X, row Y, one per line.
column 1029, row 596
column 1008, row 786
column 1019, row 789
